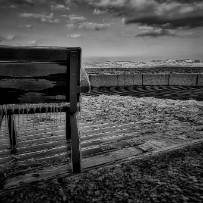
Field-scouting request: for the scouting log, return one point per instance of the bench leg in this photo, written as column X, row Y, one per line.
column 12, row 131
column 75, row 143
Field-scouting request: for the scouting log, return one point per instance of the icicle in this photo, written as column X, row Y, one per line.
column 46, row 107
column 62, row 114
column 23, row 114
column 33, row 117
column 50, row 112
column 26, row 110
column 55, row 119
column 1, row 129
column 50, row 115
column 13, row 108
column 57, row 115
column 54, row 116
column 25, row 117
column 5, row 117
column 5, row 109
column 40, row 110
column 38, row 116
column 18, row 117
column 60, row 111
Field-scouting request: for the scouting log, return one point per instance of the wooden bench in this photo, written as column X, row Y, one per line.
column 47, row 75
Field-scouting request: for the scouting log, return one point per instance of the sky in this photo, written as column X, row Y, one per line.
column 151, row 29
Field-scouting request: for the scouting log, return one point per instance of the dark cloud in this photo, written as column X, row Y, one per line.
column 164, row 22
column 26, row 2
column 18, row 2
column 163, row 14
column 21, row 2
column 171, row 14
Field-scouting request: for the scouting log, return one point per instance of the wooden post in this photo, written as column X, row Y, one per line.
column 12, row 131
column 74, row 63
column 75, row 142
column 68, row 126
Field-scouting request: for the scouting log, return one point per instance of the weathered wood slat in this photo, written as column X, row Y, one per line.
column 30, row 142
column 41, row 131
column 33, row 82
column 74, row 81
column 108, row 128
column 34, row 70
column 39, row 154
column 42, row 174
column 92, row 125
column 87, row 163
column 28, row 162
column 108, row 134
column 37, row 148
column 120, row 156
column 34, row 53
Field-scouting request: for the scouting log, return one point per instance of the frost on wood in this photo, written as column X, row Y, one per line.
column 26, row 121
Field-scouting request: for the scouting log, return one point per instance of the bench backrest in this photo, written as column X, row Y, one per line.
column 39, row 75
column 42, row 75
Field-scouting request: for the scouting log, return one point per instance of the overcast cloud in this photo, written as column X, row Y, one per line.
column 163, row 15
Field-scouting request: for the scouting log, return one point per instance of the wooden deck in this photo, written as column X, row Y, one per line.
column 42, row 150
column 42, row 146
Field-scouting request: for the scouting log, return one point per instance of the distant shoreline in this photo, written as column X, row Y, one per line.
column 155, row 66
column 136, row 59
column 166, row 69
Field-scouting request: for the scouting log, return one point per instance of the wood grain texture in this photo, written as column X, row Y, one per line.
column 74, row 80
column 34, row 53
column 33, row 83
column 75, row 143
